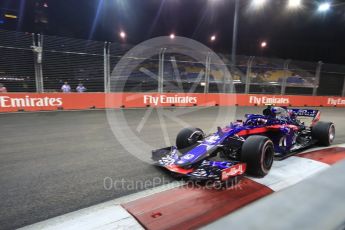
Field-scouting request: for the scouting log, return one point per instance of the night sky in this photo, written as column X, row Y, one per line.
column 302, row 34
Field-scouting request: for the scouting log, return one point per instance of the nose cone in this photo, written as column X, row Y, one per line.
column 193, row 155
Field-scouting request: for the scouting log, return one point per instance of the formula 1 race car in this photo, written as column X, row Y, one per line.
column 244, row 147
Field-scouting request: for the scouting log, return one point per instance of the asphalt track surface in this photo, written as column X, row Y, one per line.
column 52, row 163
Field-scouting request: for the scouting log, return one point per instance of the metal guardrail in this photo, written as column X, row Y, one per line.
column 37, row 63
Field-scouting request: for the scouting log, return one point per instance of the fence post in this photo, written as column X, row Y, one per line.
column 343, row 93
column 106, row 63
column 317, row 77
column 39, row 60
column 105, row 66
column 35, row 61
column 37, row 49
column 161, row 70
column 108, row 68
column 248, row 73
column 207, row 72
column 286, row 69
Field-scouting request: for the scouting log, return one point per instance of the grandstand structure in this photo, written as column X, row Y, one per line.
column 37, row 63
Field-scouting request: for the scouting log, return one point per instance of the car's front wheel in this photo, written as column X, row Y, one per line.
column 258, row 152
column 188, row 137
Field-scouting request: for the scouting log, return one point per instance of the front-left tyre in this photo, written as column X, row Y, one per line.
column 258, row 153
column 188, row 137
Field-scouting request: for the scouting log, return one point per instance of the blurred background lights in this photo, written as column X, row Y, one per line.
column 324, row 7
column 294, row 3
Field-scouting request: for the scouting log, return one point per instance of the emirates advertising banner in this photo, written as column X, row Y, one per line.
column 13, row 102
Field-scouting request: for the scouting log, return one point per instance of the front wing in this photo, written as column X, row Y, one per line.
column 206, row 170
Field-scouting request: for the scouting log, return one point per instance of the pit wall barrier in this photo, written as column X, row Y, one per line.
column 14, row 102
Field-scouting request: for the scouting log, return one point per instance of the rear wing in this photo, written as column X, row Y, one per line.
column 311, row 116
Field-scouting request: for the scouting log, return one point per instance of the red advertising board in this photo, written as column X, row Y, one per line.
column 12, row 102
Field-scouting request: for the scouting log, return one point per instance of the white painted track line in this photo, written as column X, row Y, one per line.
column 107, row 215
column 104, row 216
column 319, row 148
column 110, row 215
column 292, row 170
column 289, row 172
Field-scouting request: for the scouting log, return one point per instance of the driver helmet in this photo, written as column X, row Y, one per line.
column 280, row 112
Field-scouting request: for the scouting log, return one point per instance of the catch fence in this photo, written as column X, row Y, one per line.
column 42, row 63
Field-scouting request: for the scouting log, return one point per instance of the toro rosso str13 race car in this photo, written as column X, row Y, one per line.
column 248, row 146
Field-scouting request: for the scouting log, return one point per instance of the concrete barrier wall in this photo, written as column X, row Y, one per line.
column 13, row 102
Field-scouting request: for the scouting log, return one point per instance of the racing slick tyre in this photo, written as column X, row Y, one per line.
column 323, row 132
column 258, row 153
column 188, row 137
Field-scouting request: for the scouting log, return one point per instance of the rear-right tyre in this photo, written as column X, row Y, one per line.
column 258, row 153
column 323, row 132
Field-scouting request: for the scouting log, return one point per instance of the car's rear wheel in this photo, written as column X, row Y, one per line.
column 323, row 132
column 258, row 152
column 188, row 137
